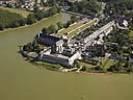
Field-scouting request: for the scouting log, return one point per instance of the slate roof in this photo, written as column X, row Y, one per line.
column 48, row 40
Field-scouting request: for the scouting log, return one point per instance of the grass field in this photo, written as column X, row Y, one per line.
column 70, row 28
column 18, row 11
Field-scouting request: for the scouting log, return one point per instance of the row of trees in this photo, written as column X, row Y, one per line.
column 54, row 28
column 11, row 20
column 121, row 67
column 119, row 36
column 59, row 25
column 51, row 29
column 89, row 7
column 119, row 7
column 121, row 47
column 38, row 15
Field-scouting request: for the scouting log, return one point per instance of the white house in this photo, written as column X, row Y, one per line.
column 60, row 59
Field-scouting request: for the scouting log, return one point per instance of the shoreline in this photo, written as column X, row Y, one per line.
column 53, row 67
column 25, row 26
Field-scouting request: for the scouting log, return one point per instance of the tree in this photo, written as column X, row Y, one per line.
column 45, row 31
column 51, row 2
column 46, row 14
column 53, row 10
column 31, row 19
column 60, row 25
column 120, row 37
column 9, row 19
column 77, row 64
column 90, row 7
column 39, row 15
column 121, row 7
column 66, row 25
column 52, row 29
column 73, row 18
column 22, row 22
column 36, row 8
column 2, row 27
column 15, row 24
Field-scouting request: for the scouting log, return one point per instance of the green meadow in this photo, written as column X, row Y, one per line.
column 18, row 11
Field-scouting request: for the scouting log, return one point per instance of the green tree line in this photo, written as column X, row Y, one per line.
column 89, row 7
column 11, row 20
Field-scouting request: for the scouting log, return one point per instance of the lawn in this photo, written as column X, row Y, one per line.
column 70, row 28
column 18, row 11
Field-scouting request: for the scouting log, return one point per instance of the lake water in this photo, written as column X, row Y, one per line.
column 20, row 80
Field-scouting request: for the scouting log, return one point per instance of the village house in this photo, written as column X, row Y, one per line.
column 4, row 2
column 27, row 4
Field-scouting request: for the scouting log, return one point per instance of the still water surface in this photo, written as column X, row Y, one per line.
column 20, row 80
